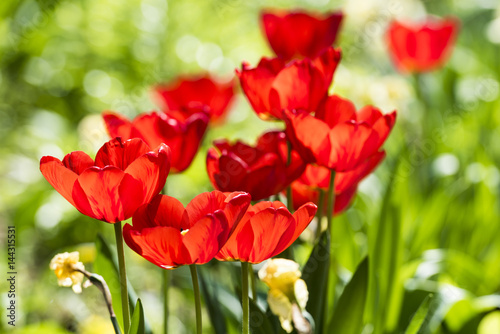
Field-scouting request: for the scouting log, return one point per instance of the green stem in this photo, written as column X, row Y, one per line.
column 330, row 288
column 197, row 298
column 244, row 298
column 116, row 327
column 422, row 96
column 123, row 276
column 289, row 203
column 253, row 282
column 289, row 199
column 331, row 200
column 166, row 284
column 319, row 213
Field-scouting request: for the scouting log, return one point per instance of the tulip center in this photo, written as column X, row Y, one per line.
column 183, row 232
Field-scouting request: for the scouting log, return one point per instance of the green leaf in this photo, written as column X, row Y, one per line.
column 385, row 289
column 105, row 264
column 315, row 274
column 348, row 315
column 137, row 325
column 212, row 304
column 418, row 318
column 433, row 316
column 259, row 321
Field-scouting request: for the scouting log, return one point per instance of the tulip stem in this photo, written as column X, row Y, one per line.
column 197, row 298
column 289, row 203
column 289, row 199
column 330, row 288
column 123, row 276
column 253, row 283
column 319, row 213
column 166, row 283
column 331, row 200
column 100, row 283
column 244, row 298
column 422, row 95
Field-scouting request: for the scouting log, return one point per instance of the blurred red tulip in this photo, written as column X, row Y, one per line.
column 124, row 176
column 167, row 235
column 182, row 136
column 300, row 34
column 185, row 96
column 422, row 47
column 338, row 137
column 315, row 178
column 262, row 171
column 266, row 230
column 301, row 84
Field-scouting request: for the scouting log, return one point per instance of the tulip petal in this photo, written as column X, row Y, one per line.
column 300, row 33
column 291, row 234
column 349, row 144
column 206, row 237
column 303, row 217
column 189, row 138
column 346, row 180
column 151, row 169
column 204, row 204
column 232, row 173
column 292, row 88
column 236, row 207
column 117, row 125
column 163, row 210
column 344, row 199
column 256, row 84
column 106, row 194
column 270, row 229
column 185, row 94
column 423, row 47
column 77, row 161
column 60, row 177
column 120, row 153
column 335, row 110
column 147, row 127
column 307, row 133
column 162, row 246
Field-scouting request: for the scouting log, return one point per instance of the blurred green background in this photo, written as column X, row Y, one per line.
column 63, row 62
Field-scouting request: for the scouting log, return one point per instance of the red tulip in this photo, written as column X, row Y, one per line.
column 185, row 96
column 422, row 47
column 261, row 171
column 300, row 34
column 182, row 136
column 315, row 178
column 124, row 176
column 166, row 234
column 301, row 84
column 266, row 230
column 338, row 137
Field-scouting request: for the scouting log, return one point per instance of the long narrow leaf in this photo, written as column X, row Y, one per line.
column 137, row 323
column 419, row 317
column 348, row 315
column 315, row 274
column 105, row 264
column 385, row 249
column 213, row 305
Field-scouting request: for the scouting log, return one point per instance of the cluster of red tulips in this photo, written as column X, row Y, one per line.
column 328, row 146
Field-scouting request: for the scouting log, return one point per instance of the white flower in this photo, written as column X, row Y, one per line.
column 286, row 288
column 64, row 266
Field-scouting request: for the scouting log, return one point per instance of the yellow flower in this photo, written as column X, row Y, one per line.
column 285, row 289
column 64, row 266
